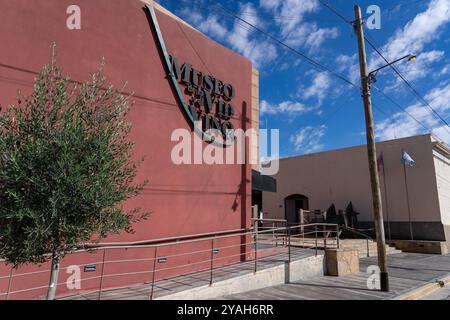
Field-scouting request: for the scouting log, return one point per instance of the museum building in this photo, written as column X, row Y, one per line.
column 178, row 77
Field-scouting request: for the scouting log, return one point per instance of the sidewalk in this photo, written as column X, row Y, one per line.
column 440, row 294
column 407, row 271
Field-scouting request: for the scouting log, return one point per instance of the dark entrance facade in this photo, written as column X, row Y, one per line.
column 261, row 183
column 292, row 205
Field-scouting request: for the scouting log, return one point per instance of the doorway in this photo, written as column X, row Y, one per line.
column 292, row 205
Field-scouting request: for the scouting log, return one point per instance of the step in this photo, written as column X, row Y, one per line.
column 361, row 246
column 354, row 244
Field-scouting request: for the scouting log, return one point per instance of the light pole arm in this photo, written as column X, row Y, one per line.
column 389, row 64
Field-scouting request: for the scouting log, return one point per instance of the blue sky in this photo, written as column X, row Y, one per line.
column 314, row 110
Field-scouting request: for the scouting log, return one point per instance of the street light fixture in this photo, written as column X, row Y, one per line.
column 412, row 57
column 372, row 74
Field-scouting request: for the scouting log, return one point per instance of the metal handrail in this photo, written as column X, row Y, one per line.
column 319, row 228
column 159, row 240
column 269, row 220
column 357, row 232
column 368, row 238
column 171, row 244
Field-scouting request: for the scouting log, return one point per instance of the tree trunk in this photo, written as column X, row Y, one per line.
column 51, row 293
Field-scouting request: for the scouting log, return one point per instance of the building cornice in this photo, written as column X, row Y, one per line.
column 442, row 148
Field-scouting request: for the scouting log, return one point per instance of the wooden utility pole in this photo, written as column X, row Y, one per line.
column 372, row 154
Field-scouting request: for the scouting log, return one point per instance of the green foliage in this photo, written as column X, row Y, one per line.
column 65, row 167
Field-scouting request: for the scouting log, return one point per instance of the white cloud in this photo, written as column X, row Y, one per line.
column 285, row 107
column 421, row 30
column 193, row 17
column 240, row 39
column 443, row 133
column 402, row 125
column 289, row 16
column 344, row 61
column 445, row 70
column 349, row 64
column 413, row 37
column 318, row 89
column 311, row 36
column 319, row 35
column 421, row 67
column 307, row 140
column 440, row 97
column 269, row 4
column 292, row 12
column 213, row 27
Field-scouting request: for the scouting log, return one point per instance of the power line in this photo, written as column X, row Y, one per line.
column 395, row 103
column 419, row 96
column 296, row 17
column 286, row 46
column 244, row 23
column 329, row 7
column 395, row 69
column 247, row 25
column 307, row 58
column 401, row 5
column 283, row 17
column 311, row 60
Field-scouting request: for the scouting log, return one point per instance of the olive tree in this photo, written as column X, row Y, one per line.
column 66, row 169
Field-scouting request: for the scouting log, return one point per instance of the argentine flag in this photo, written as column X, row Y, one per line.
column 406, row 159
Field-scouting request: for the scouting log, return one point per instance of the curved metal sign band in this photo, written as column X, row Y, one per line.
column 207, row 137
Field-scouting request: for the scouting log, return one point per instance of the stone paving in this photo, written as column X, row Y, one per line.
column 407, row 271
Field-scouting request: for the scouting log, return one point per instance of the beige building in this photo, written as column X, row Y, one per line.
column 416, row 196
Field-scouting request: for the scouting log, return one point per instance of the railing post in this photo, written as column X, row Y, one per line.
column 337, row 236
column 273, row 234
column 256, row 250
column 9, row 283
column 101, row 276
column 368, row 250
column 315, row 231
column 301, row 216
column 286, row 225
column 325, row 236
column 289, row 244
column 153, row 275
column 303, row 236
column 212, row 263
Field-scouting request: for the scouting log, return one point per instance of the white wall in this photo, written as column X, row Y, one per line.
column 442, row 165
column 341, row 176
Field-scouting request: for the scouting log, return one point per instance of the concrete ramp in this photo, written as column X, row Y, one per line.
column 296, row 270
column 232, row 279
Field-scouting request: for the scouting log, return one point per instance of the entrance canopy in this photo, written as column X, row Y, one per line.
column 263, row 183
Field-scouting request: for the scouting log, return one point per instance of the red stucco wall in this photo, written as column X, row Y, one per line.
column 185, row 199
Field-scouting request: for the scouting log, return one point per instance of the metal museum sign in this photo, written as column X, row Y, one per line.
column 210, row 98
column 208, row 106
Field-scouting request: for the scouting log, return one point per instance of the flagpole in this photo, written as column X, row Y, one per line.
column 386, row 201
column 407, row 201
